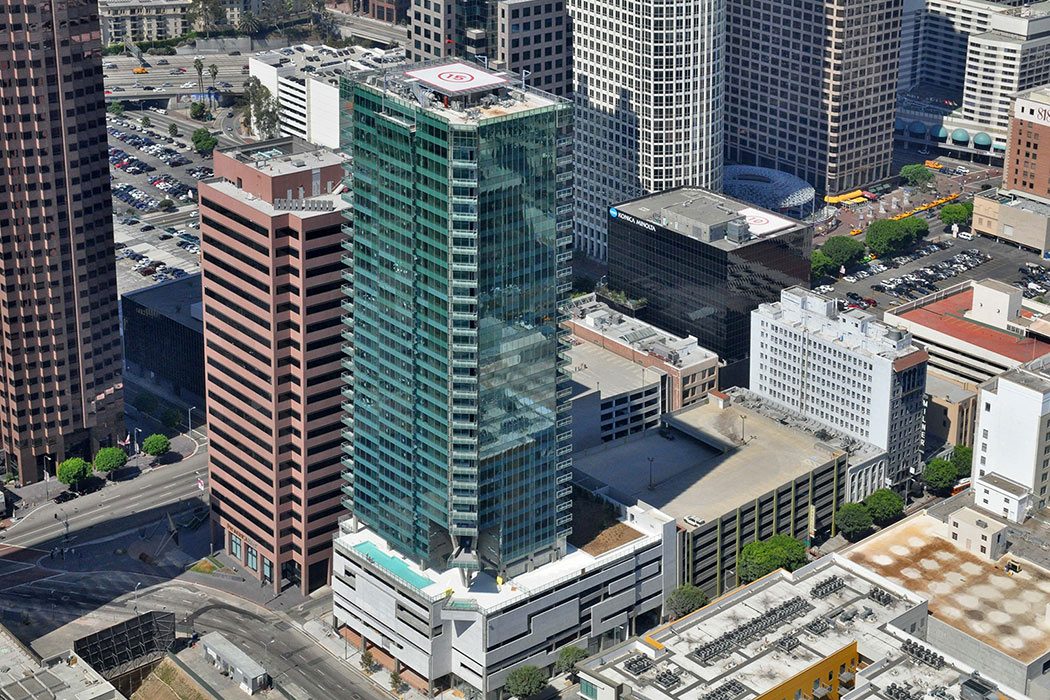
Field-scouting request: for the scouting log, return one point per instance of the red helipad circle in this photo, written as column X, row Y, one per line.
column 757, row 220
column 451, row 76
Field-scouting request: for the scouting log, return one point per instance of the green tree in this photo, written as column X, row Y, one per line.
column 940, row 475
column 165, row 204
column 916, row 175
column 173, row 130
column 171, row 418
column 109, row 460
column 915, row 228
column 885, row 506
column 395, row 682
column 367, row 662
column 843, row 251
column 155, row 445
column 145, row 402
column 853, row 520
column 821, row 265
column 203, row 141
column 249, row 24
column 778, row 552
column 568, row 658
column 116, row 108
column 955, row 214
column 525, row 681
column 213, row 72
column 684, row 600
column 887, row 237
column 146, row 122
column 198, row 111
column 206, row 14
column 198, row 65
column 73, row 470
column 962, row 458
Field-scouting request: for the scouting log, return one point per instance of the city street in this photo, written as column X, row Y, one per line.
column 132, row 502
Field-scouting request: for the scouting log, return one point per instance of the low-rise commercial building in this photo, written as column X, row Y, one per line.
column 974, row 330
column 65, row 676
column 1012, row 218
column 845, row 371
column 1004, row 497
column 304, row 80
column 246, row 672
column 627, row 373
column 701, row 471
column 163, row 333
column 440, row 631
column 831, row 629
column 987, row 611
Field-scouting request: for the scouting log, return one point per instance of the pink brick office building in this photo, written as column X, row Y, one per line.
column 271, row 228
column 61, row 392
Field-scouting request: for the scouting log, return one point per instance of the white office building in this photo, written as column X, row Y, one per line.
column 305, row 81
column 845, row 370
column 1012, row 438
column 648, row 90
column 965, row 61
column 440, row 633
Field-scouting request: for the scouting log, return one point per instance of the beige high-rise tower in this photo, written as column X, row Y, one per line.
column 811, row 88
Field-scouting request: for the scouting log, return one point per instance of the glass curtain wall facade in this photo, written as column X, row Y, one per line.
column 461, row 237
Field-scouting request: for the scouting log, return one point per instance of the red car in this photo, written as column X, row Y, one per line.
column 871, row 302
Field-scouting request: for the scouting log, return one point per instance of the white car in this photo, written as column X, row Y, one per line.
column 850, row 278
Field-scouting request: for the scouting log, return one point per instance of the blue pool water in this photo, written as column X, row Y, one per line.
column 392, row 564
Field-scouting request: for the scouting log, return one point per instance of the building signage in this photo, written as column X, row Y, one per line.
column 617, row 214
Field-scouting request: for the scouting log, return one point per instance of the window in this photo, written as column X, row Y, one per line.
column 587, row 689
column 235, row 546
column 253, row 558
column 267, row 570
column 955, row 535
column 984, row 550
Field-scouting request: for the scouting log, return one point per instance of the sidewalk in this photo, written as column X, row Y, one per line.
column 338, row 647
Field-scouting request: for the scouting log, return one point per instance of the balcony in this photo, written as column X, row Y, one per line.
column 564, row 478
column 565, row 519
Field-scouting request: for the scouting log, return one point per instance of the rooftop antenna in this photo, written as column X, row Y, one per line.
column 524, row 74
column 483, row 60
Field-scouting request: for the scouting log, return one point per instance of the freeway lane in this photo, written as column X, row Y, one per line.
column 121, row 75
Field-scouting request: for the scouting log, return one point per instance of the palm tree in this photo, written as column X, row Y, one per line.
column 173, row 129
column 205, row 13
column 249, row 24
column 198, row 65
column 213, row 71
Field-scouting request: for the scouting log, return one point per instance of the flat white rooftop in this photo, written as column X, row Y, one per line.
column 595, row 369
column 831, row 604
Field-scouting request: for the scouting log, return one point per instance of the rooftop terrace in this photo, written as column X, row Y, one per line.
column 462, row 93
column 604, row 537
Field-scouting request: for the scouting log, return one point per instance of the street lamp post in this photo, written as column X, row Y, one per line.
column 137, row 443
column 136, row 596
column 650, row 473
column 47, row 477
column 189, row 419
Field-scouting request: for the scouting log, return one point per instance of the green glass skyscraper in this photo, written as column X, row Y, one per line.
column 460, row 242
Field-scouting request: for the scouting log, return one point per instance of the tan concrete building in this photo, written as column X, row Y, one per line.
column 951, row 411
column 1013, row 218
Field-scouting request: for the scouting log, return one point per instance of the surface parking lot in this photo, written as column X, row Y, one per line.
column 148, row 165
column 1003, row 265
